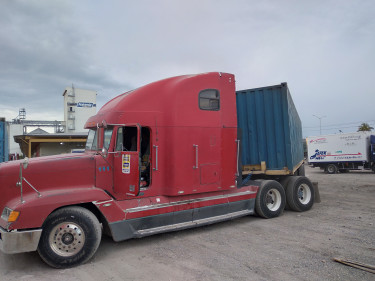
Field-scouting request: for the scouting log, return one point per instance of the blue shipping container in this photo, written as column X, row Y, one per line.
column 271, row 128
column 4, row 153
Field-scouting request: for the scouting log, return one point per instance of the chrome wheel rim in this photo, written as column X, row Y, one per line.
column 304, row 194
column 67, row 239
column 273, row 199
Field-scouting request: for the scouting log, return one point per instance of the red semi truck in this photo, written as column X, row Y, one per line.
column 163, row 157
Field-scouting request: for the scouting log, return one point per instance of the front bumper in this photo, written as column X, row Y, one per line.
column 19, row 241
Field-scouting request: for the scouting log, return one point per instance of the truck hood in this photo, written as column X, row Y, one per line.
column 46, row 173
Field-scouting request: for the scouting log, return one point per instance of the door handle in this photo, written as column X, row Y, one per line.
column 196, row 156
column 156, row 158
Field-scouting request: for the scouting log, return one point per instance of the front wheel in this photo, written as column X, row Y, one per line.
column 270, row 200
column 70, row 237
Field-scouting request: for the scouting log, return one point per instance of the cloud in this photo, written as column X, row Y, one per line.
column 43, row 51
column 323, row 49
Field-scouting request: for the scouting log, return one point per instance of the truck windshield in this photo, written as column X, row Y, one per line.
column 92, row 140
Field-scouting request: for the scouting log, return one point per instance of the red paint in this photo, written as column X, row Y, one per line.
column 193, row 155
column 343, row 154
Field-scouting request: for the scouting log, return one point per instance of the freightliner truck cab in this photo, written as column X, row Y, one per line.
column 163, row 157
column 173, row 137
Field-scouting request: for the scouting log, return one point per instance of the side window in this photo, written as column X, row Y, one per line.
column 130, row 138
column 145, row 157
column 92, row 141
column 127, row 139
column 209, row 100
column 107, row 137
column 120, row 140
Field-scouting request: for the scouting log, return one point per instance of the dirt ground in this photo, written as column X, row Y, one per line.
column 294, row 246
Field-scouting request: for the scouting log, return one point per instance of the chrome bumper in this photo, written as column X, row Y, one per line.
column 19, row 241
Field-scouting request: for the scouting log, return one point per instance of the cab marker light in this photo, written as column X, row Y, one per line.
column 10, row 215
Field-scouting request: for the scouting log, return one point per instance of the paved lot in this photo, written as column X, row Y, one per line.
column 295, row 246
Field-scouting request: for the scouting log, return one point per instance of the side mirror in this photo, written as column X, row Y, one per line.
column 25, row 162
column 104, row 152
column 102, row 125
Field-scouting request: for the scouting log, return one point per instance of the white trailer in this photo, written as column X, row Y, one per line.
column 342, row 152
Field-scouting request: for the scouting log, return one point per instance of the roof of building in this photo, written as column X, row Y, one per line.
column 38, row 131
column 58, row 135
column 28, row 142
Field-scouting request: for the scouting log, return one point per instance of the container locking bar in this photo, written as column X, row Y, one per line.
column 238, row 157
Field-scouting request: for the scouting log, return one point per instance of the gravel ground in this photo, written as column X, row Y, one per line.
column 294, row 246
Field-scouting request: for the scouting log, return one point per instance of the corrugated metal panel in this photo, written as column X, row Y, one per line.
column 372, row 148
column 2, row 141
column 271, row 127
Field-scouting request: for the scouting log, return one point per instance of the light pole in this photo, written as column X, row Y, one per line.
column 320, row 122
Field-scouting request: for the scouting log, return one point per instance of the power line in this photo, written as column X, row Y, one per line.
column 338, row 128
column 354, row 124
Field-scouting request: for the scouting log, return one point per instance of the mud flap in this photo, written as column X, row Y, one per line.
column 316, row 191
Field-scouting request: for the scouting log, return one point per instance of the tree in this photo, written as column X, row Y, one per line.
column 364, row 127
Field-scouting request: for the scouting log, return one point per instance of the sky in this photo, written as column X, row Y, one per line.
column 324, row 50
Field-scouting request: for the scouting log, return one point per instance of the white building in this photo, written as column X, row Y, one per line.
column 79, row 105
column 14, row 130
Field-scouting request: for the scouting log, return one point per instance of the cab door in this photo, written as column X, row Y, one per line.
column 127, row 162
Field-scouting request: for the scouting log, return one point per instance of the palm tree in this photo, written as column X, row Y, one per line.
column 364, row 127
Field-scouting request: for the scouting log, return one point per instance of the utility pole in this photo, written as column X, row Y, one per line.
column 320, row 122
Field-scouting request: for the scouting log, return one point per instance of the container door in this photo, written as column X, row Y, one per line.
column 126, row 162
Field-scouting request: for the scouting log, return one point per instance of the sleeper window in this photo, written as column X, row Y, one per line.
column 209, row 100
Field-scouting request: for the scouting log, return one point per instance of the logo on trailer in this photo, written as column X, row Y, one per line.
column 351, row 138
column 319, row 155
column 321, row 140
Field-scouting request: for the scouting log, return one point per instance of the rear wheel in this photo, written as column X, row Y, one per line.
column 300, row 171
column 70, row 237
column 270, row 200
column 331, row 169
column 300, row 194
column 284, row 183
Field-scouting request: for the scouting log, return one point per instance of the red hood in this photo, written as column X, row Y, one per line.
column 45, row 173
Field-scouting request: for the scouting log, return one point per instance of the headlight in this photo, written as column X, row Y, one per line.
column 9, row 215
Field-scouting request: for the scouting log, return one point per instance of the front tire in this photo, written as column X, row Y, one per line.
column 300, row 194
column 270, row 200
column 70, row 237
